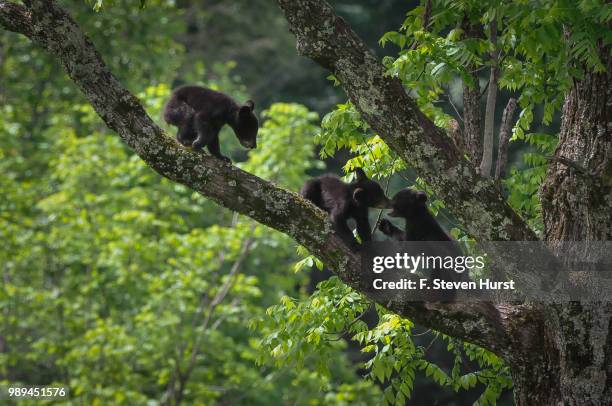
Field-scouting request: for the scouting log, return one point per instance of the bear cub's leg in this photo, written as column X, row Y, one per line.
column 207, row 135
column 203, row 130
column 186, row 132
column 339, row 219
column 215, row 150
column 363, row 226
column 387, row 228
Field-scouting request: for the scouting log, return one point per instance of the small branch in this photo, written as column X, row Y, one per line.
column 380, row 212
column 423, row 333
column 433, row 340
column 505, row 132
column 221, row 318
column 351, row 324
column 450, row 100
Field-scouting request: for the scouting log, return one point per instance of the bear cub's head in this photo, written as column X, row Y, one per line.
column 246, row 125
column 367, row 193
column 407, row 203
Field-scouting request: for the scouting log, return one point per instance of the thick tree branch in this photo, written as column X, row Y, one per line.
column 54, row 30
column 384, row 104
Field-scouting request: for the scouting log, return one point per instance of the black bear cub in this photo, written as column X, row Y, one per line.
column 343, row 201
column 199, row 113
column 421, row 225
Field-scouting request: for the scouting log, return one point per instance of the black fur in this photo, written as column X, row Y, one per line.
column 199, row 113
column 343, row 201
column 420, row 223
column 422, row 226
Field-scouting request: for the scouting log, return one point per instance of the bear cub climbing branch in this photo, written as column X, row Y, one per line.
column 199, row 113
column 343, row 201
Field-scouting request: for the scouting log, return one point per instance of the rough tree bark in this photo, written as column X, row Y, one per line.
column 532, row 338
column 471, row 102
column 577, row 206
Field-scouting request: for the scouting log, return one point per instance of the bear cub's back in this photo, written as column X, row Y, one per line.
column 204, row 99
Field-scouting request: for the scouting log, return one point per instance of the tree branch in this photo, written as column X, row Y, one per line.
column 504, row 138
column 46, row 24
column 489, row 122
column 472, row 125
column 15, row 17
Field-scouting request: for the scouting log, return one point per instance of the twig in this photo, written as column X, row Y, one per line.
column 431, row 343
column 380, row 212
column 423, row 333
column 346, row 330
column 450, row 100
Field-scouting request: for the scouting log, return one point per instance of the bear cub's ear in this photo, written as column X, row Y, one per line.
column 250, row 104
column 421, row 196
column 359, row 195
column 247, row 108
column 360, row 175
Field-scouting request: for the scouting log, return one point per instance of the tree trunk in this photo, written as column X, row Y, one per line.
column 489, row 122
column 577, row 206
column 577, row 203
column 472, row 125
